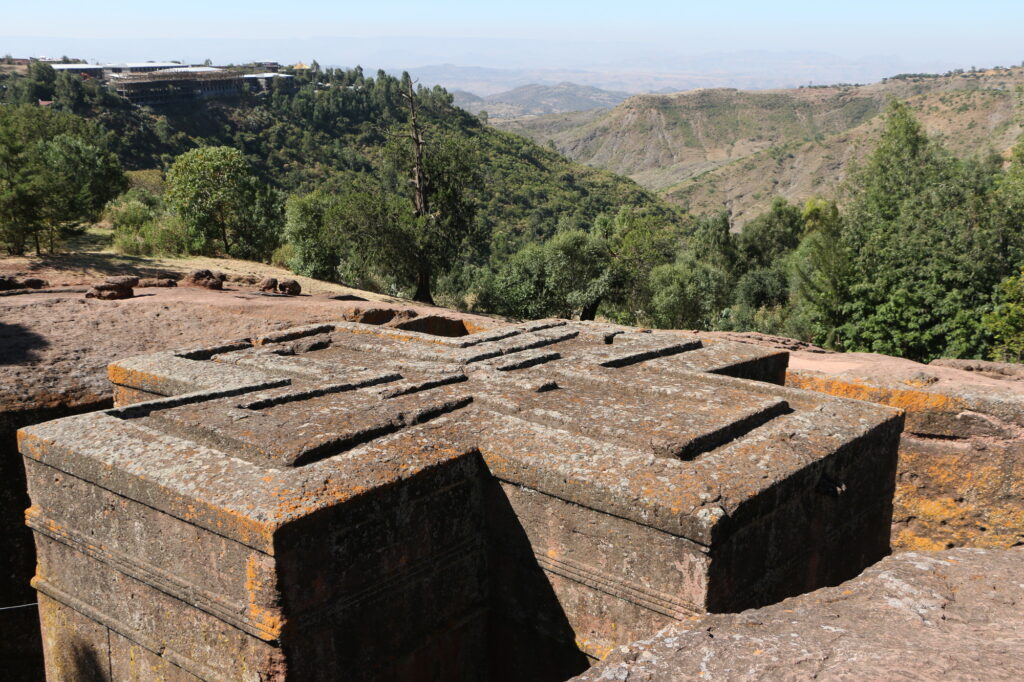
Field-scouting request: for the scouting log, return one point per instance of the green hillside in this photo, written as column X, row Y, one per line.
column 538, row 100
column 707, row 149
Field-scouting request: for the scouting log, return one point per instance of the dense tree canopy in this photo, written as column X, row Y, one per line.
column 390, row 187
column 55, row 173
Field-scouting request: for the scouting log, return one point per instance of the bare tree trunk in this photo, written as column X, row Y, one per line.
column 589, row 311
column 421, row 208
column 423, row 294
column 419, row 179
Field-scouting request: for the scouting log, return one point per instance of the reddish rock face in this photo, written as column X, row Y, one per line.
column 508, row 504
column 204, row 278
column 157, row 282
column 961, row 472
column 952, row 615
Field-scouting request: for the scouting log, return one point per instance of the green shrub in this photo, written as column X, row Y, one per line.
column 1006, row 322
column 283, row 255
column 132, row 210
column 163, row 235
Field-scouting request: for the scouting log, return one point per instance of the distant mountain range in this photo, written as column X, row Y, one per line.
column 537, row 100
column 660, row 71
column 714, row 148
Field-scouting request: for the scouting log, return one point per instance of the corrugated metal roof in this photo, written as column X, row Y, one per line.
column 73, row 67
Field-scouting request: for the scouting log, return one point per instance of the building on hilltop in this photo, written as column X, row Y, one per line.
column 266, row 66
column 263, row 82
column 139, row 67
column 80, row 69
column 179, row 84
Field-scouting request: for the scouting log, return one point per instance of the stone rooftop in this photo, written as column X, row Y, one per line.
column 514, row 502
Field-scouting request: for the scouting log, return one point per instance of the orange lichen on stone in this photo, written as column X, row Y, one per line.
column 257, row 585
column 951, row 494
column 911, row 401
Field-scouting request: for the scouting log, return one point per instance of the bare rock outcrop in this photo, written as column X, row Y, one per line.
column 951, row 615
column 208, row 279
column 1007, row 371
column 959, row 481
column 268, row 284
column 289, row 287
column 113, row 288
column 35, row 283
column 245, row 280
column 10, row 283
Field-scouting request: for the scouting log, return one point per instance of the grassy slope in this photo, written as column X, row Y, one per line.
column 966, row 123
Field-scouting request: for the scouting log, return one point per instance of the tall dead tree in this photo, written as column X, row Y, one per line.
column 419, row 181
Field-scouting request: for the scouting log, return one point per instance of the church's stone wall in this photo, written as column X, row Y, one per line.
column 391, row 504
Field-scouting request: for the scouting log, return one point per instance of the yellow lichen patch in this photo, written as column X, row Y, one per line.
column 909, row 400
column 933, row 510
column 598, row 651
column 268, row 620
column 136, row 379
column 909, row 541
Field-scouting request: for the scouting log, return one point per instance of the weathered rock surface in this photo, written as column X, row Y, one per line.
column 208, row 279
column 996, row 370
column 113, row 288
column 955, row 615
column 35, row 283
column 54, row 351
column 9, row 283
column 268, row 284
column 148, row 282
column 348, row 497
column 961, row 474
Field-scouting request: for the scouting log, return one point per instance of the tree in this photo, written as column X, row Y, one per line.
column 567, row 276
column 822, row 271
column 440, row 175
column 220, row 199
column 78, row 180
column 926, row 245
column 637, row 244
column 712, row 242
column 770, row 236
column 340, row 232
column 1006, row 321
column 688, row 294
column 54, row 174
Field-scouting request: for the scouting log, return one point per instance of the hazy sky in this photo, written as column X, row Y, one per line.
column 982, row 32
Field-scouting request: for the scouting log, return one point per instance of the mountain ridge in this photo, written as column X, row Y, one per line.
column 710, row 148
column 537, row 100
